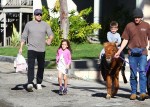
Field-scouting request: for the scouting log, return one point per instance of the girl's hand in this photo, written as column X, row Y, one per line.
column 20, row 51
column 67, row 67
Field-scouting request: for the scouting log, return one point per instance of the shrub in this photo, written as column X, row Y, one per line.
column 54, row 23
column 15, row 39
column 79, row 29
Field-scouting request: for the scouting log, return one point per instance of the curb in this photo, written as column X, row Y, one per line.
column 86, row 69
column 7, row 58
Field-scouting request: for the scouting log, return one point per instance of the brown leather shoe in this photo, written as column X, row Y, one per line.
column 143, row 97
column 147, row 96
column 133, row 97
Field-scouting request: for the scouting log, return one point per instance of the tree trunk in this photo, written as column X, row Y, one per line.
column 64, row 23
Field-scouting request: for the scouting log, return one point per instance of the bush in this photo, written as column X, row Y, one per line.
column 15, row 39
column 79, row 29
column 54, row 23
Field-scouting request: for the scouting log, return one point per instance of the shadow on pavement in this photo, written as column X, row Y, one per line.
column 104, row 95
column 55, row 91
column 124, row 95
column 88, row 88
column 99, row 95
column 91, row 89
column 7, row 72
column 56, row 84
column 125, row 89
column 24, row 86
column 19, row 87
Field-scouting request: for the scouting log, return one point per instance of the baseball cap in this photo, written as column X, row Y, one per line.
column 137, row 13
column 37, row 11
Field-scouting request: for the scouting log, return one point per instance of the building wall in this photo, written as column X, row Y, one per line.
column 145, row 6
column 37, row 4
column 3, row 2
column 82, row 4
column 118, row 10
column 51, row 3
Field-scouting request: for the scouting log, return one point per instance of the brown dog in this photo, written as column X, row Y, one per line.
column 110, row 68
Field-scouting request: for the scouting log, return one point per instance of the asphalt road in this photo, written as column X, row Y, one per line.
column 81, row 93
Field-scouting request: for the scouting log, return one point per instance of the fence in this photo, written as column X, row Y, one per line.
column 19, row 3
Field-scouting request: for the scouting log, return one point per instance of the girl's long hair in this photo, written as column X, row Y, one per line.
column 68, row 43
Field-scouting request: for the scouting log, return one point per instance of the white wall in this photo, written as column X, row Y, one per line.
column 3, row 2
column 37, row 4
column 146, row 10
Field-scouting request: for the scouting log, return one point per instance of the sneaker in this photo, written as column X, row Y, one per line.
column 133, row 97
column 65, row 91
column 39, row 86
column 61, row 90
column 143, row 97
column 30, row 87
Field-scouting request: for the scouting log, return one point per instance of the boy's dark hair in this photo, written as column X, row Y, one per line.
column 68, row 43
column 113, row 23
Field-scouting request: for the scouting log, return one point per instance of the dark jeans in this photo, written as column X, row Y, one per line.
column 40, row 56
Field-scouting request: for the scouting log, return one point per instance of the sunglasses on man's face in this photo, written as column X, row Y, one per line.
column 38, row 14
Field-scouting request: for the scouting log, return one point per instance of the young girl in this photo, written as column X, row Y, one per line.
column 63, row 60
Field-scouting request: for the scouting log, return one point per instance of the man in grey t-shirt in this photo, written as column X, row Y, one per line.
column 35, row 32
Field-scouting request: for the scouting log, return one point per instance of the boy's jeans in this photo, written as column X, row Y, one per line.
column 138, row 64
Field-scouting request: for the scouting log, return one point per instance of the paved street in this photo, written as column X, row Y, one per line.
column 81, row 93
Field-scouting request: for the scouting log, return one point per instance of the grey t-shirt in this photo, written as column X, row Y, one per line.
column 114, row 37
column 35, row 33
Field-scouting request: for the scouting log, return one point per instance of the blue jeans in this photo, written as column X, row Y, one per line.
column 138, row 64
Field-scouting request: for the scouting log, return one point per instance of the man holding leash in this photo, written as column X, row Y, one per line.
column 135, row 35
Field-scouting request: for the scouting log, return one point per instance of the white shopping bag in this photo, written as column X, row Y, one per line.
column 20, row 64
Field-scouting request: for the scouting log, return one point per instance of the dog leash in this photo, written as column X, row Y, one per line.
column 128, row 63
column 130, row 67
column 124, row 59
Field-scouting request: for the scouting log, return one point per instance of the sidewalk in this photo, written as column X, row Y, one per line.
column 81, row 93
column 86, row 69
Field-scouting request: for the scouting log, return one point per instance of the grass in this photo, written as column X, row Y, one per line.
column 79, row 51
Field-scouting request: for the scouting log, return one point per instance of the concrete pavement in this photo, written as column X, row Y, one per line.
column 82, row 93
column 86, row 69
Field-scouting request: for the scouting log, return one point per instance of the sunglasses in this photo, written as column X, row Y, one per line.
column 38, row 14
